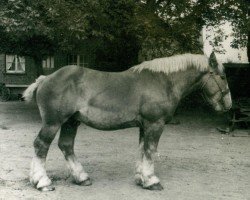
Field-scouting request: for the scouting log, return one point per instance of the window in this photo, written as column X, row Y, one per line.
column 48, row 63
column 79, row 60
column 15, row 64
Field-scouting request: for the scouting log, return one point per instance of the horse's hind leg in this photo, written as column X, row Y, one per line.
column 66, row 144
column 149, row 137
column 38, row 176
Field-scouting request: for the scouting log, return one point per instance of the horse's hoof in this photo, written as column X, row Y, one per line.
column 87, row 182
column 156, row 186
column 46, row 188
column 138, row 180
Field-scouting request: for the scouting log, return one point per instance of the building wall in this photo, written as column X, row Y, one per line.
column 60, row 60
column 27, row 78
column 30, row 70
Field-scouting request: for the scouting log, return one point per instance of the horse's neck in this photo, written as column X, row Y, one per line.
column 184, row 82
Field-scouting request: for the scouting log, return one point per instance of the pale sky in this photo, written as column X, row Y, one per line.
column 231, row 55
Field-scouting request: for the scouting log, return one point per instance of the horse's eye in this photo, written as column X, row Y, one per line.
column 222, row 77
column 211, row 72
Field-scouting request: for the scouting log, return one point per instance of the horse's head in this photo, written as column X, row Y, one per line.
column 215, row 87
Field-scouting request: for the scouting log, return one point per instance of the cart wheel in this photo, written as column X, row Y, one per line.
column 4, row 93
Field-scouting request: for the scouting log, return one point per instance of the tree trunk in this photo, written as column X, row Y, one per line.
column 248, row 47
column 248, row 35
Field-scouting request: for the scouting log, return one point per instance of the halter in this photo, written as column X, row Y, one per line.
column 223, row 92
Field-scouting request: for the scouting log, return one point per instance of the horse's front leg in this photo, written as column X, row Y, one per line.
column 149, row 137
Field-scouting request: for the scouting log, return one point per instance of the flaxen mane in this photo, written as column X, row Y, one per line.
column 175, row 63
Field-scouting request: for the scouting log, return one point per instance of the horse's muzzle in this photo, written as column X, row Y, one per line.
column 227, row 102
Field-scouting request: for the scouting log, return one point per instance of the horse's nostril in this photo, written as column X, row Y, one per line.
column 227, row 108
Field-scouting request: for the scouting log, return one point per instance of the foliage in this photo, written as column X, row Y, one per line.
column 116, row 30
column 40, row 28
column 173, row 26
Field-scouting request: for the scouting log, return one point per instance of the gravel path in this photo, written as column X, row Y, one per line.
column 194, row 160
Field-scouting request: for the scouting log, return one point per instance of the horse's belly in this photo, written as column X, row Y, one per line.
column 107, row 120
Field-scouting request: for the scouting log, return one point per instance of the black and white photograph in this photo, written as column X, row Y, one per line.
column 125, row 99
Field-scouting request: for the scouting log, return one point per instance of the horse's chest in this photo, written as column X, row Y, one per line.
column 155, row 110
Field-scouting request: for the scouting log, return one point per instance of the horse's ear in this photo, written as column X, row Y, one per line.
column 213, row 61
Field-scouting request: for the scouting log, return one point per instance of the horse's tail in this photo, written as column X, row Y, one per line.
column 28, row 94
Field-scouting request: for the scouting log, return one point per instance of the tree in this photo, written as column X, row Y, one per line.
column 40, row 28
column 23, row 32
column 115, row 30
column 173, row 26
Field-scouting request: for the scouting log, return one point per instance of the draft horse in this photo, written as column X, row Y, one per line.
column 144, row 96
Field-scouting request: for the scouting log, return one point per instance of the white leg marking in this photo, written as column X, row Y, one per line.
column 148, row 175
column 38, row 176
column 138, row 167
column 147, row 167
column 138, row 173
column 145, row 173
column 77, row 170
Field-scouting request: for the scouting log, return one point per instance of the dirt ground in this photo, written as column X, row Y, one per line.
column 194, row 160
